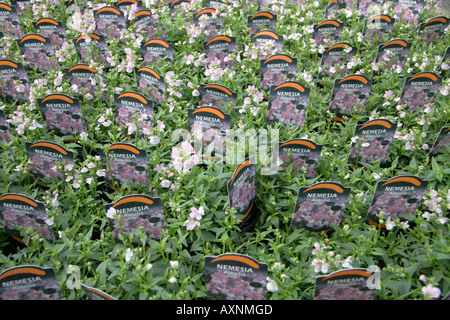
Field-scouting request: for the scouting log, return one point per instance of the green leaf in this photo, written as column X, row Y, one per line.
column 207, row 236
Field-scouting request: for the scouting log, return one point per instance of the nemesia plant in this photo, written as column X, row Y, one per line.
column 199, row 220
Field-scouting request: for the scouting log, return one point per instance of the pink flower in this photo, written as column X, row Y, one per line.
column 197, row 213
column 431, row 291
column 165, row 183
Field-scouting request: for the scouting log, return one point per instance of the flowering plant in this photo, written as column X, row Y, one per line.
column 200, row 217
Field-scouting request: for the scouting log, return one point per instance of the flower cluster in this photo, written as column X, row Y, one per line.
column 436, row 206
column 195, row 217
column 156, row 91
column 252, row 101
column 184, row 157
column 327, row 261
column 261, row 51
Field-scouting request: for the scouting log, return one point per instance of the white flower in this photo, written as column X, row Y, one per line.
column 197, row 213
column 390, row 224
column 431, row 291
column 128, row 255
column 83, row 135
column 55, row 202
column 376, row 175
column 154, row 139
column 101, row 172
column 172, row 280
column 148, row 266
column 191, row 224
column 111, row 213
column 442, row 220
column 271, row 285
column 347, row 263
column 165, row 183
column 174, row 264
column 404, row 225
column 49, row 221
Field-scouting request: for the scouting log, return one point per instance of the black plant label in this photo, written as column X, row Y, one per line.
column 151, row 84
column 396, row 198
column 442, row 142
column 136, row 212
column 18, row 212
column 95, row 294
column 393, row 53
column 302, row 154
column 93, row 46
column 129, row 105
column 62, row 114
column 37, row 53
column 320, row 206
column 277, row 69
column 209, row 127
column 218, row 96
column 10, row 21
column 156, row 49
column 347, row 284
column 110, row 22
column 267, row 36
column 242, row 191
column 288, row 104
column 46, row 160
column 263, row 20
column 327, row 32
column 13, row 76
column 373, row 141
column 125, row 165
column 235, row 276
column 52, row 29
column 29, row 282
column 5, row 131
column 377, row 27
column 419, row 91
column 350, row 95
column 335, row 59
